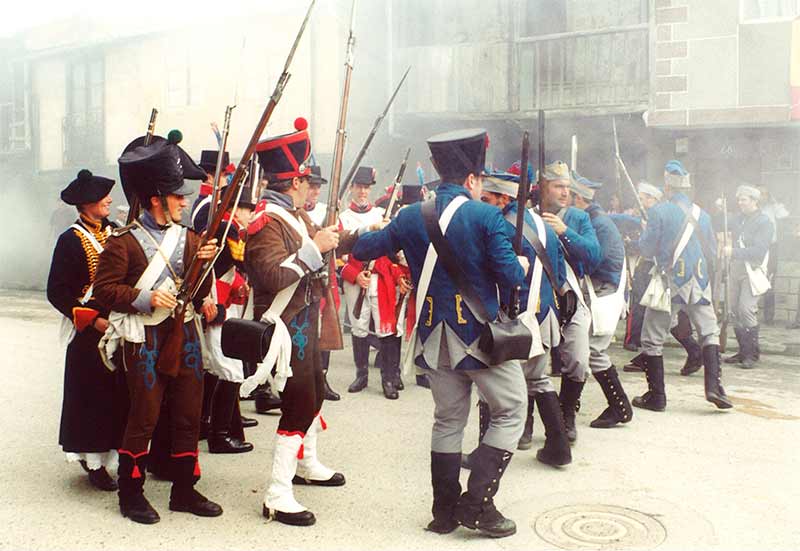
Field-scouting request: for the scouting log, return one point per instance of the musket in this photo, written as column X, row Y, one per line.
column 723, row 330
column 522, row 199
column 170, row 353
column 573, row 158
column 218, row 169
column 621, row 166
column 330, row 330
column 363, row 151
column 387, row 214
column 133, row 200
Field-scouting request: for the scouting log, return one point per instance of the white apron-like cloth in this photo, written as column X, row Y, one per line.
column 607, row 310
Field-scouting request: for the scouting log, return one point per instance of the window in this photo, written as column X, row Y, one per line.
column 761, row 10
column 84, row 135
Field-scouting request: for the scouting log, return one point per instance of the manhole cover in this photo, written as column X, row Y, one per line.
column 599, row 527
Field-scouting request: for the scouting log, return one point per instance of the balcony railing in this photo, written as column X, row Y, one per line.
column 84, row 138
column 603, row 68
column 599, row 69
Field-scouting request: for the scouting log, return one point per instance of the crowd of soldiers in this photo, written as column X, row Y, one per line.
column 116, row 287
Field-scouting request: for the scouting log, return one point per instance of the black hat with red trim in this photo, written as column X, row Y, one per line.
column 208, row 160
column 285, row 157
column 364, row 176
column 456, row 155
column 86, row 188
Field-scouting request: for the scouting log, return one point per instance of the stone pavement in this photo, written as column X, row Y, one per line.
column 690, row 478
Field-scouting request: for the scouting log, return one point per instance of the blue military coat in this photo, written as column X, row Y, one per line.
column 478, row 234
column 664, row 222
column 752, row 236
column 612, row 249
column 582, row 250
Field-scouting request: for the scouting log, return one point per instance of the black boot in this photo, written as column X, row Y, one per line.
column 713, row 378
column 422, row 380
column 395, row 346
column 570, row 399
column 101, row 480
column 265, row 400
column 655, row 399
column 737, row 358
column 484, row 416
column 446, row 491
column 390, row 371
column 555, row 362
column 619, row 407
column 475, row 508
column 556, row 450
column 222, row 410
column 756, row 344
column 748, row 348
column 209, row 384
column 132, row 503
column 526, row 440
column 248, row 422
column 636, row 365
column 183, row 497
column 330, row 394
column 361, row 359
column 694, row 357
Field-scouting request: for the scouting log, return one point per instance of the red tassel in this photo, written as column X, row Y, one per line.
column 196, row 467
column 300, row 452
column 136, row 473
column 322, row 423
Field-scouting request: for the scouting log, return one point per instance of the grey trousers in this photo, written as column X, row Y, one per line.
column 657, row 324
column 743, row 304
column 581, row 351
column 501, row 386
column 536, row 378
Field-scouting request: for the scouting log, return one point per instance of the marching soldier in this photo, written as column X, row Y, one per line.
column 679, row 236
column 752, row 233
column 95, row 400
column 283, row 257
column 317, row 210
column 447, row 348
column 501, row 191
column 582, row 254
column 137, row 278
column 604, row 294
column 228, row 295
column 360, row 284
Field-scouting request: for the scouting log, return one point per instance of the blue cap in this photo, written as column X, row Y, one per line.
column 675, row 167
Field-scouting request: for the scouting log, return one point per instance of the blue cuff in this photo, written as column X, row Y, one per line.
column 142, row 302
column 310, row 256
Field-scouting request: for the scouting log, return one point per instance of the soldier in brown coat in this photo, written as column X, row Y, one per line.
column 283, row 259
column 137, row 279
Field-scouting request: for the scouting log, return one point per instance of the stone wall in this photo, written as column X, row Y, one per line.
column 787, row 288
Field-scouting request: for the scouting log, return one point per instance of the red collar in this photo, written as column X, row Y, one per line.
column 360, row 209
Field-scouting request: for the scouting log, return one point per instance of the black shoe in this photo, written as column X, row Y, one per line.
column 336, row 480
column 570, row 399
column 138, row 509
column 442, row 526
column 360, row 382
column 330, row 394
column 390, row 391
column 526, row 440
column 475, row 508
column 619, row 407
column 636, row 365
column 189, row 500
column 224, row 443
column 651, row 401
column 556, row 451
column 691, row 365
column 303, row 518
column 267, row 402
column 399, row 384
column 422, row 380
column 248, row 422
column 101, row 480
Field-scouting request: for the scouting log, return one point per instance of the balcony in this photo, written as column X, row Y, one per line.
column 599, row 70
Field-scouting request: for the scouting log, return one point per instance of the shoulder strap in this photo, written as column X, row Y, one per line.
column 683, row 236
column 533, row 238
column 453, row 268
column 92, row 239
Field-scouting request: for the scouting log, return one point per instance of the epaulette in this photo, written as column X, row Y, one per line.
column 117, row 232
column 258, row 224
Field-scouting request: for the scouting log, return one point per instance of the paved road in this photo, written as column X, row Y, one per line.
column 690, row 478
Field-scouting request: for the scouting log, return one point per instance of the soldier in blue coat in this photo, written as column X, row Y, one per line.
column 500, row 190
column 604, row 292
column 582, row 253
column 447, row 333
column 683, row 249
column 752, row 232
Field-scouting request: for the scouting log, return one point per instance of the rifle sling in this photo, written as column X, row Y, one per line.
column 533, row 238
